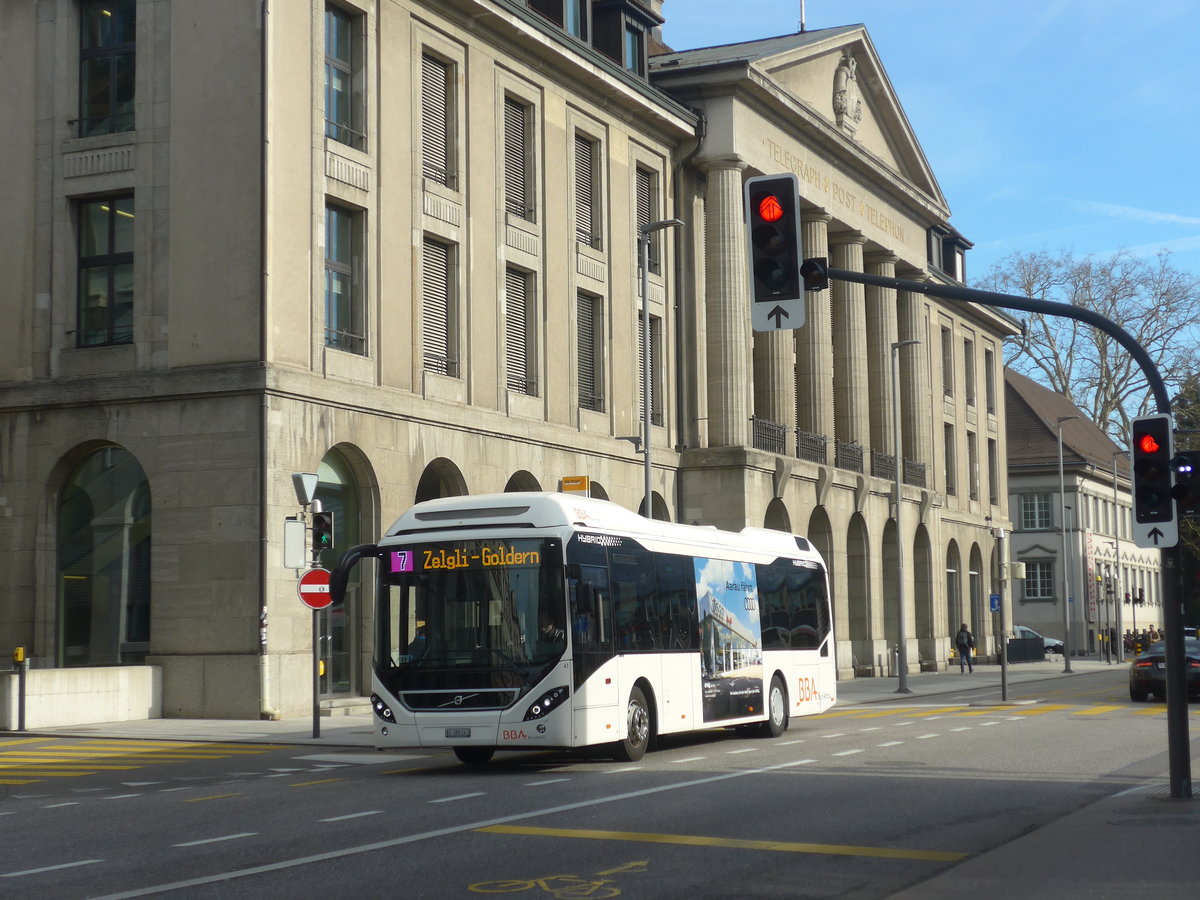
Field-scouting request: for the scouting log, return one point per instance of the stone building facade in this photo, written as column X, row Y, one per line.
column 395, row 244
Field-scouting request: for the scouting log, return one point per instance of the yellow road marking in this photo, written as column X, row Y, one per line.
column 733, row 843
column 322, row 781
column 19, row 781
column 1096, row 710
column 213, row 797
column 32, row 740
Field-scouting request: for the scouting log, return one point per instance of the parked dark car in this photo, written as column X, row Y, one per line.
column 1053, row 645
column 1148, row 672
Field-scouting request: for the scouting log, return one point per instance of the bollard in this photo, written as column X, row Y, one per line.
column 22, row 665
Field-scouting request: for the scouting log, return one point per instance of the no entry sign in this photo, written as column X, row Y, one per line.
column 313, row 589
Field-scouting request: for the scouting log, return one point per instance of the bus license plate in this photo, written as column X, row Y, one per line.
column 458, row 732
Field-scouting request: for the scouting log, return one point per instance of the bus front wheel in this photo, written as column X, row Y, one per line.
column 637, row 738
column 777, row 709
column 475, row 756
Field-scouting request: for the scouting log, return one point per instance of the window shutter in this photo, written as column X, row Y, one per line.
column 435, row 131
column 516, row 196
column 516, row 331
column 584, row 191
column 589, row 395
column 437, row 322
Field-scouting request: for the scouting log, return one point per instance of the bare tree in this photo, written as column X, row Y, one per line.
column 1156, row 303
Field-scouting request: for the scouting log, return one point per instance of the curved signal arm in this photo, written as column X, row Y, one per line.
column 1179, row 747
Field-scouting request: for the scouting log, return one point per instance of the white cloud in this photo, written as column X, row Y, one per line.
column 1140, row 215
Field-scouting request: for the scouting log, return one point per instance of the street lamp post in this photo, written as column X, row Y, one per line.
column 1062, row 532
column 644, row 232
column 1116, row 581
column 901, row 634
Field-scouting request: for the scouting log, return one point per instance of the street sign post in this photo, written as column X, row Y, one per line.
column 313, row 589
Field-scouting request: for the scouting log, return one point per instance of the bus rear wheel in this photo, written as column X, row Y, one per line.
column 637, row 738
column 777, row 709
column 475, row 756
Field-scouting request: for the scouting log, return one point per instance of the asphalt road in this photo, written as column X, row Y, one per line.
column 860, row 802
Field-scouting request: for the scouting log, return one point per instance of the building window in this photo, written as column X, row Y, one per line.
column 635, row 49
column 106, row 66
column 518, row 185
column 587, row 192
column 520, row 338
column 1035, row 512
column 571, row 15
column 973, row 465
column 951, row 461
column 106, row 271
column 1039, row 580
column 437, row 122
column 989, row 380
column 344, row 106
column 439, row 329
column 345, row 303
column 656, row 415
column 969, row 371
column 647, row 211
column 947, row 362
column 590, row 332
column 993, row 472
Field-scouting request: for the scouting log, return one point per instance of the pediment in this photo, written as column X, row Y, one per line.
column 841, row 78
column 1037, row 550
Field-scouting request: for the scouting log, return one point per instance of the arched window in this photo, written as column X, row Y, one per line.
column 104, row 562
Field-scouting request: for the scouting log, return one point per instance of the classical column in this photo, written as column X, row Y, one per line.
column 775, row 380
column 916, row 402
column 881, row 334
column 727, row 306
column 814, row 342
column 851, row 415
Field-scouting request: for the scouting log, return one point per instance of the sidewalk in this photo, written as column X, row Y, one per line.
column 1134, row 843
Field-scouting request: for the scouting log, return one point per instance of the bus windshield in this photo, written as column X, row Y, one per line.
column 485, row 603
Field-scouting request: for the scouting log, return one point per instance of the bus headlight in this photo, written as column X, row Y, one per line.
column 546, row 702
column 382, row 709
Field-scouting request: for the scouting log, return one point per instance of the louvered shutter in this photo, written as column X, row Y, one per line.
column 584, row 191
column 516, row 331
column 645, row 195
column 516, row 186
column 642, row 363
column 435, row 129
column 437, row 320
column 589, row 394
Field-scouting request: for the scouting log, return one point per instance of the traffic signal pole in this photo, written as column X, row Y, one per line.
column 816, row 274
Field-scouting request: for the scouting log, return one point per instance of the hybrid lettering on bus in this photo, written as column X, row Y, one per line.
column 532, row 620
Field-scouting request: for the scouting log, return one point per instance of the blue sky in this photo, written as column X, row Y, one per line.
column 1050, row 124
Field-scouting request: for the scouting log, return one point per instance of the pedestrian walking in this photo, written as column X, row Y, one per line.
column 965, row 642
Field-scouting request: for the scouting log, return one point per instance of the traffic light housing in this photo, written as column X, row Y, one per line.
column 773, row 237
column 1152, row 500
column 1186, row 491
column 322, row 532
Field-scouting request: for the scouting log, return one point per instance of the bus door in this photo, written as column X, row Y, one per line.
column 591, row 634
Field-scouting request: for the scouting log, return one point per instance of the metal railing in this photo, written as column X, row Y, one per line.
column 812, row 447
column 848, row 456
column 770, row 436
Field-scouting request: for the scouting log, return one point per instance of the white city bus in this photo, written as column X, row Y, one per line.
column 526, row 621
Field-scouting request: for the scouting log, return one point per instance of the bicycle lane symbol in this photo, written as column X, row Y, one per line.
column 562, row 887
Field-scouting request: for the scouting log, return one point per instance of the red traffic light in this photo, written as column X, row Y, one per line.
column 1147, row 444
column 770, row 209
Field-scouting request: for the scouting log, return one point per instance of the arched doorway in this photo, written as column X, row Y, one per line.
column 777, row 517
column 104, row 562
column 954, row 605
column 441, row 478
column 658, row 505
column 978, row 621
column 891, row 586
column 858, row 584
column 340, row 623
column 521, row 481
column 922, row 567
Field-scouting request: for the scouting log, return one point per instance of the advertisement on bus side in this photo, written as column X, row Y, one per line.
column 731, row 669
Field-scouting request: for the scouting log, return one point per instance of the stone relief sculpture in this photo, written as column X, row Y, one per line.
column 847, row 104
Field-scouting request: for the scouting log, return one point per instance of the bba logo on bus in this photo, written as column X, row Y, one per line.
column 518, row 734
